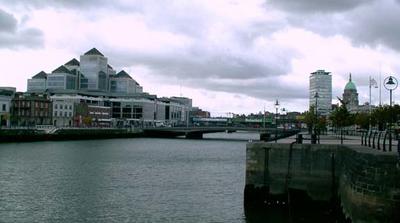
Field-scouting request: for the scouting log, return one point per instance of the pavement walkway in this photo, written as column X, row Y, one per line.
column 333, row 139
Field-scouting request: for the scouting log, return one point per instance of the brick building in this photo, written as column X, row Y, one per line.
column 30, row 110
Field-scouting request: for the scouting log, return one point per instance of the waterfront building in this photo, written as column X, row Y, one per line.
column 350, row 96
column 176, row 112
column 350, row 99
column 6, row 95
column 73, row 64
column 81, row 81
column 183, row 100
column 321, row 82
column 38, row 83
column 130, row 111
column 90, row 92
column 123, row 84
column 196, row 112
column 100, row 115
column 62, row 79
column 63, row 111
column 110, row 70
column 29, row 109
column 93, row 65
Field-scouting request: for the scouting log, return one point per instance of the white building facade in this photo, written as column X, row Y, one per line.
column 63, row 110
column 6, row 95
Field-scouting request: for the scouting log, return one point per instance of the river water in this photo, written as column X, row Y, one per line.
column 131, row 180
column 124, row 180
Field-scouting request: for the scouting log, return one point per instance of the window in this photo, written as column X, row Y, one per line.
column 4, row 107
column 65, row 114
column 70, row 114
column 56, row 106
column 70, row 107
column 61, row 107
column 55, row 113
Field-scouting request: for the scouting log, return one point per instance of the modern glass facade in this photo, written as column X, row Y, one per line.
column 36, row 85
column 94, row 67
column 61, row 81
column 321, row 82
column 122, row 86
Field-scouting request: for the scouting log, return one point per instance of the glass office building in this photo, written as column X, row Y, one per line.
column 321, row 82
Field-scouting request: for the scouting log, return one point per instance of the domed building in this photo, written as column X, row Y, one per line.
column 350, row 95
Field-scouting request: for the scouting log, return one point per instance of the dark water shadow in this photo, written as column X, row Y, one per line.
column 301, row 210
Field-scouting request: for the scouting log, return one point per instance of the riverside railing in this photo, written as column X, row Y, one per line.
column 377, row 139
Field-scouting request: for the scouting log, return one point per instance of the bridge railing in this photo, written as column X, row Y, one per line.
column 379, row 140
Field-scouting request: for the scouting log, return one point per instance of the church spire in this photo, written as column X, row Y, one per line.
column 349, row 77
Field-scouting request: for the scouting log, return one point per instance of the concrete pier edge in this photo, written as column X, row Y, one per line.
column 363, row 183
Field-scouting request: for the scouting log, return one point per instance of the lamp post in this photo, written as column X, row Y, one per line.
column 284, row 113
column 264, row 118
column 276, row 119
column 316, row 96
column 390, row 83
column 372, row 82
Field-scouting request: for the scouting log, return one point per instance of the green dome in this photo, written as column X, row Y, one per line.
column 350, row 86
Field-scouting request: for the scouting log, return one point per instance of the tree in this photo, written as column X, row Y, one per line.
column 87, row 120
column 310, row 118
column 362, row 120
column 341, row 117
column 321, row 124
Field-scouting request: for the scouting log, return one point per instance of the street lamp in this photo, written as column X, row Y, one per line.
column 372, row 83
column 276, row 119
column 264, row 118
column 390, row 83
column 284, row 118
column 316, row 96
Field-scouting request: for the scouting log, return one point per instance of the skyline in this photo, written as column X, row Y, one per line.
column 228, row 56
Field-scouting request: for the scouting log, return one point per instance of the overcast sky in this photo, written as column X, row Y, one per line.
column 227, row 55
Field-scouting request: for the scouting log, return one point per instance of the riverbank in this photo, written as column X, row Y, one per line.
column 32, row 135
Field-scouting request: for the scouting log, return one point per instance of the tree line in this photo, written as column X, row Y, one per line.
column 379, row 118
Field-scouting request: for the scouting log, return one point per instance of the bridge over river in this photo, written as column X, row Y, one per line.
column 197, row 132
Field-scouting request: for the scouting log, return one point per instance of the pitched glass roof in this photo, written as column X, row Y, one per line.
column 123, row 74
column 73, row 62
column 40, row 75
column 94, row 51
column 62, row 69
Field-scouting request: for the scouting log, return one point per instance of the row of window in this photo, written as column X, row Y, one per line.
column 60, row 114
column 63, row 106
column 35, row 113
column 28, row 104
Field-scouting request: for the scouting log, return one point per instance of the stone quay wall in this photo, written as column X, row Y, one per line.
column 364, row 183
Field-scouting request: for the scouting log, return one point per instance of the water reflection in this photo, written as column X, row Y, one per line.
column 301, row 209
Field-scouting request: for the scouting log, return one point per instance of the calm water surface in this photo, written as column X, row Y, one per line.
column 124, row 180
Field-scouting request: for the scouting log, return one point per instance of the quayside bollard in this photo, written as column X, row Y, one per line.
column 313, row 138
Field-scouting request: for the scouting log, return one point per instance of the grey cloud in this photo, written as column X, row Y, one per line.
column 264, row 88
column 86, row 5
column 218, row 71
column 51, row 3
column 374, row 25
column 198, row 64
column 13, row 36
column 7, row 22
column 317, row 6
